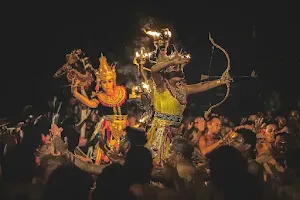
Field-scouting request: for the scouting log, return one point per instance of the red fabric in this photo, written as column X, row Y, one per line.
column 38, row 160
column 97, row 87
column 43, row 138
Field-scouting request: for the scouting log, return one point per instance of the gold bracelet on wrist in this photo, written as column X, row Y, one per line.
column 218, row 82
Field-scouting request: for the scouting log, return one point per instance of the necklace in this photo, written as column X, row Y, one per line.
column 178, row 92
column 117, row 99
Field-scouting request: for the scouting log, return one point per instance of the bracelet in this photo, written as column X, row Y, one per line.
column 218, row 81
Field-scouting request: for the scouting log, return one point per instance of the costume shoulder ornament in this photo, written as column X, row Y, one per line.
column 226, row 73
column 179, row 92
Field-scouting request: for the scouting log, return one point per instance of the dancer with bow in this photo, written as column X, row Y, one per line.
column 170, row 95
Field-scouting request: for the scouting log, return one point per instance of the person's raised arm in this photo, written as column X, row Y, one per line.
column 207, row 149
column 92, row 103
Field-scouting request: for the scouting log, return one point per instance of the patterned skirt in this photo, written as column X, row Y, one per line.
column 159, row 136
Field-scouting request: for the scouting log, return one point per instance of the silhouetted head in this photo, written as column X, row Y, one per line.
column 112, row 183
column 68, row 182
column 138, row 164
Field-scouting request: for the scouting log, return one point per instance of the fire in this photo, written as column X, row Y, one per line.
column 142, row 54
column 152, row 33
column 187, row 56
column 167, row 33
column 146, row 86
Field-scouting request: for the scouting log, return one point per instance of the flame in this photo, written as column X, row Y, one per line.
column 142, row 120
column 146, row 86
column 187, row 56
column 152, row 33
column 168, row 33
column 142, row 54
column 148, row 54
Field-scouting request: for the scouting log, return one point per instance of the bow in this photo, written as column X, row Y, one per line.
column 225, row 74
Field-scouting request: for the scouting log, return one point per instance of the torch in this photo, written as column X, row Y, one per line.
column 141, row 57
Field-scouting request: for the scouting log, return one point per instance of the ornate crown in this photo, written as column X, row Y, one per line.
column 105, row 71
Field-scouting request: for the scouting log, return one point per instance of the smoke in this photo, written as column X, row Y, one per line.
column 147, row 23
column 142, row 40
column 128, row 75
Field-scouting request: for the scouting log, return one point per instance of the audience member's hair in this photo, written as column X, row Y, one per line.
column 72, row 136
column 188, row 119
column 271, row 121
column 131, row 115
column 184, row 147
column 68, row 182
column 32, row 139
column 229, row 173
column 19, row 165
column 249, row 136
column 138, row 164
column 292, row 160
column 43, row 125
column 136, row 137
column 210, row 119
column 249, row 122
column 50, row 162
column 112, row 184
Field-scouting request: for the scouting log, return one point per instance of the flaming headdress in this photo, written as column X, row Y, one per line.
column 161, row 38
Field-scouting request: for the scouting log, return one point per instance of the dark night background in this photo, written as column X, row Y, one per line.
column 36, row 40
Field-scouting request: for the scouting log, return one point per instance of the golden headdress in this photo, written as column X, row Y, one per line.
column 105, row 71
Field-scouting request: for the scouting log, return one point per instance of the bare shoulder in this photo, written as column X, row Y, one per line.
column 202, row 137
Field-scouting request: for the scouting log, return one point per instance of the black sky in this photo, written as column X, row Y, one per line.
column 36, row 40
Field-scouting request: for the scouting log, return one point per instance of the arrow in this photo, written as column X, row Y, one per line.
column 205, row 77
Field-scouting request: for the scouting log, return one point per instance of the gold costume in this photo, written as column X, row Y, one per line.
column 115, row 120
column 110, row 102
column 167, row 119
